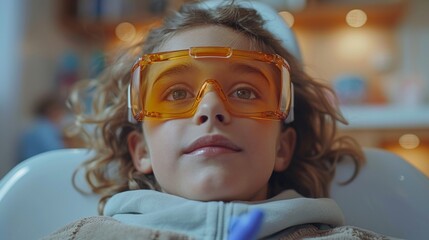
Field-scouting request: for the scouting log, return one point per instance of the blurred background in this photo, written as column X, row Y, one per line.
column 374, row 53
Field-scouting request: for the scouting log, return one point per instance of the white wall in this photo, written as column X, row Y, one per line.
column 31, row 44
column 42, row 45
column 11, row 32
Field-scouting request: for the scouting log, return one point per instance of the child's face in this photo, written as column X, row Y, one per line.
column 214, row 155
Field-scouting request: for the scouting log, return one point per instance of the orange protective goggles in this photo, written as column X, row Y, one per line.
column 170, row 85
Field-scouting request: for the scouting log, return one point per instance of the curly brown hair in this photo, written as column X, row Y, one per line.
column 318, row 148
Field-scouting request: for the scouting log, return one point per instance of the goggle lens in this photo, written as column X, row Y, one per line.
column 172, row 84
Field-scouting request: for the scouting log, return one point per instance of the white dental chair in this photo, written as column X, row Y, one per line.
column 37, row 196
column 389, row 196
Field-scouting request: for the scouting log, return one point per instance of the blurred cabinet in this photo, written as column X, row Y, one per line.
column 412, row 144
column 400, row 129
column 393, row 112
column 367, row 65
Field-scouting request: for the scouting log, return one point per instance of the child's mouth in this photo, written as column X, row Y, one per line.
column 211, row 145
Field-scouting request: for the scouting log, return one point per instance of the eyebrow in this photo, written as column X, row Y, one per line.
column 245, row 68
column 241, row 67
column 176, row 69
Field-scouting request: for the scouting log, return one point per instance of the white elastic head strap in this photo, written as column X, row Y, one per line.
column 131, row 118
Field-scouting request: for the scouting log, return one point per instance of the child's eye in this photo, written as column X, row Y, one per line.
column 244, row 93
column 178, row 94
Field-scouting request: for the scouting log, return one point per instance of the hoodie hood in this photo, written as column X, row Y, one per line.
column 210, row 220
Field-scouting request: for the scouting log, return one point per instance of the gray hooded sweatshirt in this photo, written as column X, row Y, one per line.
column 147, row 214
column 211, row 220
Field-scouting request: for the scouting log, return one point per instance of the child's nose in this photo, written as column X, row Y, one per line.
column 211, row 108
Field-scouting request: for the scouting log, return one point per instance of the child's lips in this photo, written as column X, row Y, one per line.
column 211, row 144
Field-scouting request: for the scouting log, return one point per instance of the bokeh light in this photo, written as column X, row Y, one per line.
column 288, row 17
column 409, row 141
column 125, row 31
column 356, row 18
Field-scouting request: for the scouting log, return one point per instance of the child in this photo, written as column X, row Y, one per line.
column 225, row 121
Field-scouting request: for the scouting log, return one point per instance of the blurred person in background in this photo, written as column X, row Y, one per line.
column 45, row 133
